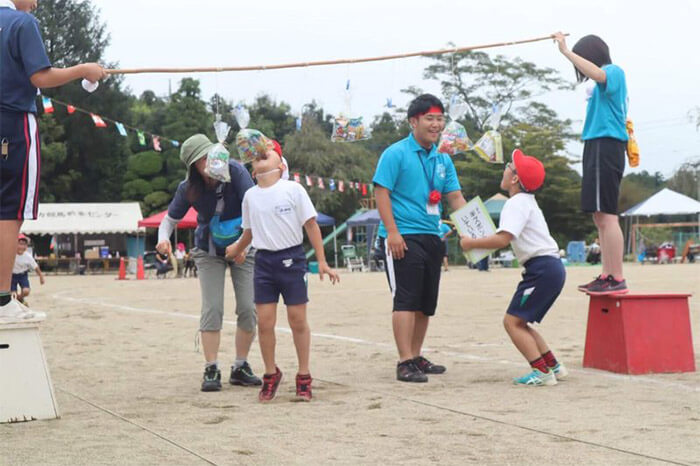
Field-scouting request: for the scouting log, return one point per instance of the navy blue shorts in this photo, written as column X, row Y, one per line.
column 21, row 280
column 280, row 272
column 19, row 172
column 543, row 280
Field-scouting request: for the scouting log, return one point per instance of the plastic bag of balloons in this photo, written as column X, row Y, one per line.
column 218, row 156
column 490, row 147
column 349, row 130
column 240, row 113
column 454, row 138
column 251, row 144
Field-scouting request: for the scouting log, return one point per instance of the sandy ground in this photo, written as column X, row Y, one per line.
column 127, row 379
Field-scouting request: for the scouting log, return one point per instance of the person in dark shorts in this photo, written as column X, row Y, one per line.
column 275, row 214
column 410, row 180
column 605, row 141
column 24, row 67
column 523, row 226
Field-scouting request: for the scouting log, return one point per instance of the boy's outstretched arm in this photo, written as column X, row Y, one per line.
column 498, row 241
column 41, row 275
column 314, row 233
column 55, row 77
column 236, row 251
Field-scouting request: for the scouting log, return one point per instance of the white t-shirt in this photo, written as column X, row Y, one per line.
column 522, row 218
column 24, row 263
column 276, row 215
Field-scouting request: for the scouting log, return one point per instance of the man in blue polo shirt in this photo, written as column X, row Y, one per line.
column 24, row 67
column 410, row 181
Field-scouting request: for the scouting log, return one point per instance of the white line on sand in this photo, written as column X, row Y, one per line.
column 472, row 357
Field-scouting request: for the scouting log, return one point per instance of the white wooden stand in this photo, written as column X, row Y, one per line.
column 26, row 392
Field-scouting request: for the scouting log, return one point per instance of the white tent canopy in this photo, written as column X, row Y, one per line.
column 665, row 202
column 85, row 218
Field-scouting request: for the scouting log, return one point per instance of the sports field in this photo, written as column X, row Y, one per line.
column 127, row 377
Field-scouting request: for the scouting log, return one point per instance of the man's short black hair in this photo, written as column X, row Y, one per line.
column 422, row 104
column 593, row 49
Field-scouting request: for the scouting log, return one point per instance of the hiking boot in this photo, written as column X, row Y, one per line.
column 609, row 286
column 537, row 378
column 211, row 381
column 428, row 367
column 304, row 387
column 597, row 282
column 244, row 376
column 15, row 311
column 407, row 371
column 270, row 383
column 560, row 371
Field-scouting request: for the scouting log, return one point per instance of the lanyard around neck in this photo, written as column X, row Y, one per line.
column 431, row 179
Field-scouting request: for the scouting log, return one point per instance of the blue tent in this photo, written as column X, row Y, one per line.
column 325, row 220
column 368, row 217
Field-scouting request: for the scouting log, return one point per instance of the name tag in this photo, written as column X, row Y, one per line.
column 284, row 209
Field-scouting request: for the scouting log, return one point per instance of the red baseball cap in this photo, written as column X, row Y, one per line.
column 530, row 171
column 22, row 237
column 276, row 147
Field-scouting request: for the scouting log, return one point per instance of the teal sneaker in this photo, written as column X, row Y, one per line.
column 536, row 378
column 560, row 371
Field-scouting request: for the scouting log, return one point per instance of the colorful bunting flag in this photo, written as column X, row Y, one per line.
column 156, row 143
column 71, row 109
column 364, row 189
column 48, row 105
column 331, row 184
column 308, row 181
column 320, row 183
column 341, row 186
column 120, row 128
column 142, row 138
column 175, row 143
column 99, row 122
column 297, row 178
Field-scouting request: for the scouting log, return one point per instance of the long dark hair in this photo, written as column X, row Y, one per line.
column 593, row 49
column 195, row 184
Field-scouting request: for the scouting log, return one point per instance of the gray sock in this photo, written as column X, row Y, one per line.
column 238, row 363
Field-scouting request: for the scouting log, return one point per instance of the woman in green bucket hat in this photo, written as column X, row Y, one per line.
column 218, row 206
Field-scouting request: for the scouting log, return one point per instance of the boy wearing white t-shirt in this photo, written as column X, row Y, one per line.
column 523, row 226
column 274, row 213
column 24, row 263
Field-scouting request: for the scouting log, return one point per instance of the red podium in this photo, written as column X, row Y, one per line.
column 639, row 333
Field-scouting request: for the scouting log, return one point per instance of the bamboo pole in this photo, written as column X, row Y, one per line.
column 219, row 69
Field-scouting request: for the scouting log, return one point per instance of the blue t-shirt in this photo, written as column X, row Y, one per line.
column 22, row 54
column 205, row 206
column 409, row 172
column 444, row 230
column 606, row 113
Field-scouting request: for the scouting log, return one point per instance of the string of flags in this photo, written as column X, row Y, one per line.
column 101, row 122
column 334, row 185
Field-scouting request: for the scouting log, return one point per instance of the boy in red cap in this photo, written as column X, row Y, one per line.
column 523, row 226
column 24, row 262
column 275, row 214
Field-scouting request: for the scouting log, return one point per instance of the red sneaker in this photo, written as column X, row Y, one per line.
column 269, row 386
column 304, row 387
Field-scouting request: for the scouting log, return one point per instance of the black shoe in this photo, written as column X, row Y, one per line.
column 244, row 376
column 598, row 281
column 407, row 371
column 212, row 379
column 428, row 367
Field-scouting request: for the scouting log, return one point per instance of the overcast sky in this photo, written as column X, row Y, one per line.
column 655, row 43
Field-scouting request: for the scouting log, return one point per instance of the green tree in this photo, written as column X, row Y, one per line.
column 686, row 180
